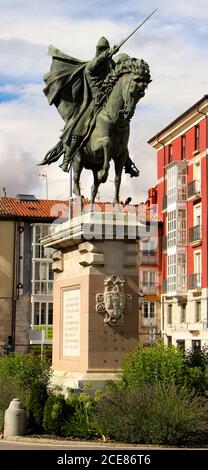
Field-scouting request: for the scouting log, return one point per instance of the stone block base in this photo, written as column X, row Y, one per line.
column 91, row 381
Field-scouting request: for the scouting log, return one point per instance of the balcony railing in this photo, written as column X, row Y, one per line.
column 195, row 234
column 164, row 243
column 164, row 203
column 149, row 288
column 195, row 281
column 148, row 257
column 194, row 189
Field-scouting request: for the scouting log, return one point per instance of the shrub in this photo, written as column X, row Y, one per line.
column 37, row 399
column 8, row 391
column 152, row 365
column 55, row 413
column 197, row 370
column 153, row 415
column 25, row 369
column 80, row 421
column 18, row 373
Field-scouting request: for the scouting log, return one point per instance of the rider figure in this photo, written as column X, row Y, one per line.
column 96, row 71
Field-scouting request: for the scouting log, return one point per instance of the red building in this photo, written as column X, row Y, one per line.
column 182, row 174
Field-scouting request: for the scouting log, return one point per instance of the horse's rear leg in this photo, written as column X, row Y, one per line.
column 77, row 168
column 103, row 174
column 95, row 186
column 118, row 173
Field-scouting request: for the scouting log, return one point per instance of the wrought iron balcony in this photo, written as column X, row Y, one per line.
column 195, row 281
column 194, row 189
column 195, row 235
column 164, row 203
column 164, row 243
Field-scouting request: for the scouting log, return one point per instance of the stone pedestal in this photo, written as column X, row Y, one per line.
column 87, row 347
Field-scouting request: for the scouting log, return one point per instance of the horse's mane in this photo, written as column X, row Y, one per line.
column 132, row 65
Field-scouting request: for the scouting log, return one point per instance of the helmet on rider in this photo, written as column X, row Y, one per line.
column 102, row 45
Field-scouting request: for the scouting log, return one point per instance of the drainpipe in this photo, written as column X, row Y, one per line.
column 13, row 322
column 206, row 143
column 163, row 307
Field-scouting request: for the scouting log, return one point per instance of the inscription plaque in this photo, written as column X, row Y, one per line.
column 71, row 323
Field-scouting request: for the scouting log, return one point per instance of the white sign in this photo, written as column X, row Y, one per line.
column 71, row 323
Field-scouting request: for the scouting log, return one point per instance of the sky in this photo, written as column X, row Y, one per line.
column 174, row 42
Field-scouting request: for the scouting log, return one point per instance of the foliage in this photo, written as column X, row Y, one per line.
column 25, row 369
column 152, row 365
column 197, row 371
column 55, row 413
column 18, row 373
column 37, row 398
column 80, row 422
column 161, row 414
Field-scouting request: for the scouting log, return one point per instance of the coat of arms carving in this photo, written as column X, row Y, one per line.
column 114, row 301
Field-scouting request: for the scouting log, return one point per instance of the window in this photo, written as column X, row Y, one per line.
column 181, row 184
column 171, row 184
column 171, row 273
column 169, row 340
column 149, row 278
column 170, row 153
column 183, row 313
column 198, row 311
column 197, row 138
column 40, row 231
column 197, row 215
column 196, row 345
column 181, row 275
column 183, row 147
column 149, row 309
column 42, row 313
column 169, row 319
column 181, row 227
column 181, row 344
column 197, row 269
column 171, row 228
column 42, row 277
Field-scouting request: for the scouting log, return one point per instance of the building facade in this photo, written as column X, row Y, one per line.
column 182, row 176
column 26, row 277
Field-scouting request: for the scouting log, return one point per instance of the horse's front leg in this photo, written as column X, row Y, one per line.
column 95, row 186
column 119, row 164
column 77, row 168
column 103, row 174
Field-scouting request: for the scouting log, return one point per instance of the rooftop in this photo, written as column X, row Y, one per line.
column 50, row 209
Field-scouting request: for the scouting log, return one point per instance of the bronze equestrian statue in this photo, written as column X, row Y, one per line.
column 97, row 100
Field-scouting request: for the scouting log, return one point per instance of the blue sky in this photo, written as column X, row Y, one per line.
column 174, row 42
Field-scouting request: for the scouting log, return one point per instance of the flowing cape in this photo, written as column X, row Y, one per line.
column 67, row 88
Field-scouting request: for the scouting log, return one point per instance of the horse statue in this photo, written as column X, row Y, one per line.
column 108, row 140
column 106, row 124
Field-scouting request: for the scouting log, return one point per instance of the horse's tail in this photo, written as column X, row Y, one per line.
column 54, row 154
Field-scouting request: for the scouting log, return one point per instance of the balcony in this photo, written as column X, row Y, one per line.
column 149, row 288
column 164, row 203
column 164, row 243
column 148, row 257
column 195, row 235
column 194, row 190
column 195, row 281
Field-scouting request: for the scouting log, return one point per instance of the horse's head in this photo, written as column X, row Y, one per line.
column 135, row 83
